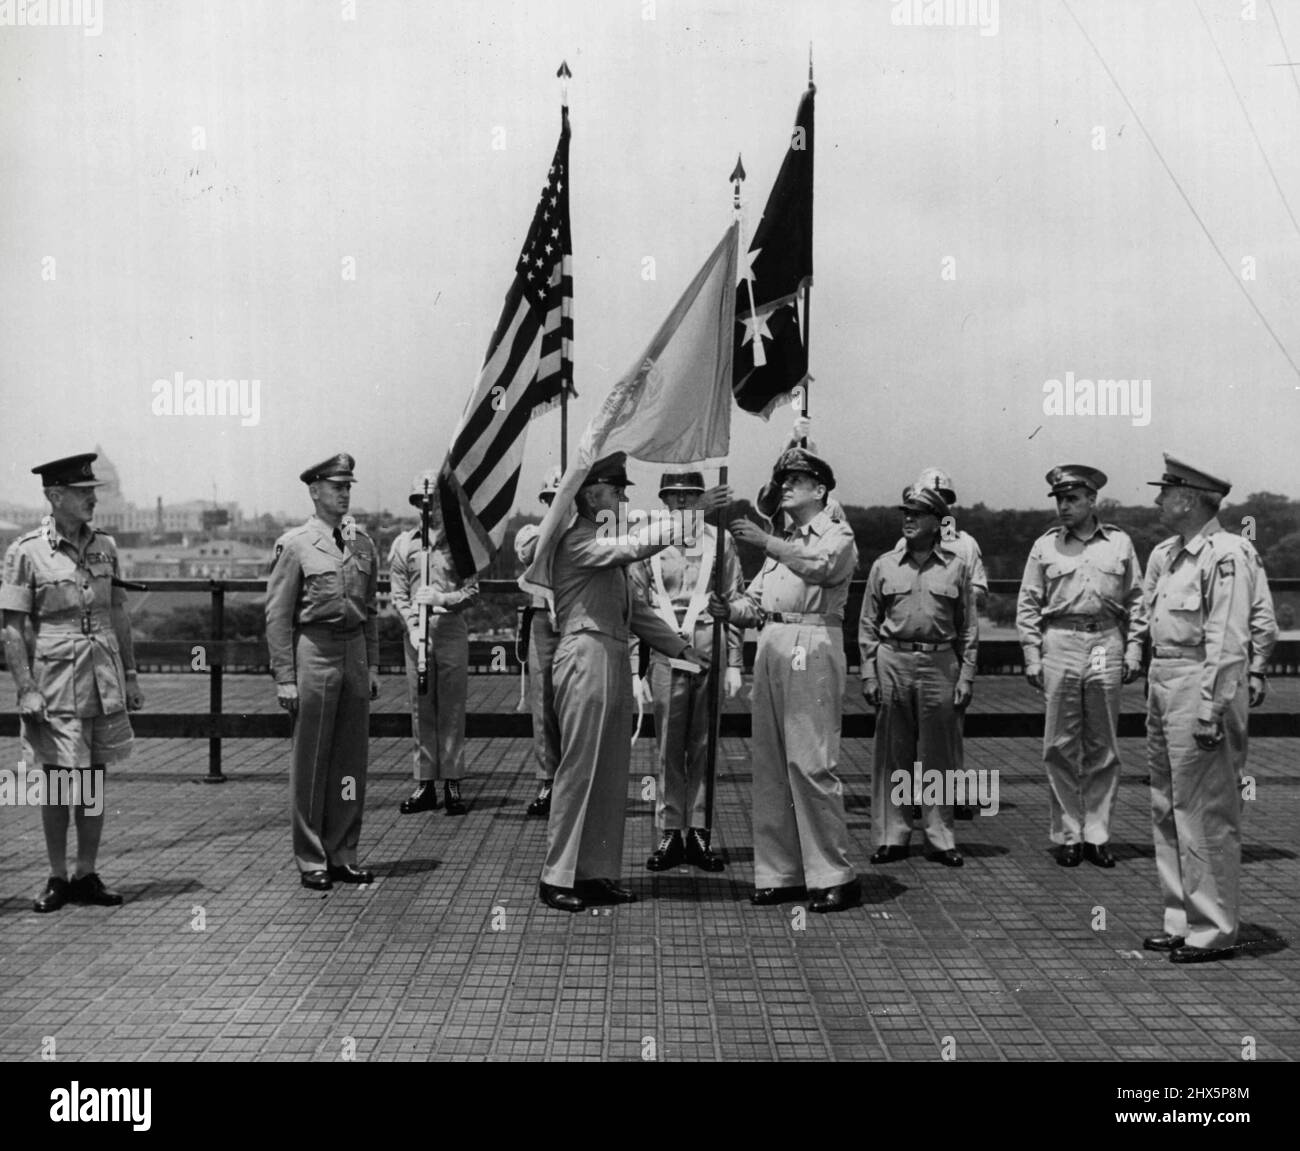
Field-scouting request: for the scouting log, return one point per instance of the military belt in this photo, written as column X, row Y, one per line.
column 80, row 625
column 916, row 645
column 811, row 619
column 1082, row 622
column 1179, row 651
column 338, row 630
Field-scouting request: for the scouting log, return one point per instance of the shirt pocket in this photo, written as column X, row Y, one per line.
column 60, row 596
column 55, row 672
column 101, row 577
column 358, row 572
column 1060, row 569
column 894, row 587
column 1186, row 625
column 320, row 579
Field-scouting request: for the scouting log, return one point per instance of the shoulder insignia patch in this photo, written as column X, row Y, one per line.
column 1227, row 566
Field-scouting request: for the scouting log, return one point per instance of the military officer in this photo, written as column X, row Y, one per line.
column 966, row 546
column 768, row 500
column 675, row 583
column 1198, row 594
column 1082, row 625
column 322, row 631
column 538, row 641
column 437, row 716
column 77, row 680
column 801, row 839
column 919, row 639
column 594, row 611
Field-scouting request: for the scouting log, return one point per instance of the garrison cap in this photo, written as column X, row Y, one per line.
column 69, row 472
column 1068, row 476
column 681, row 482
column 416, row 498
column 923, row 499
column 802, row 460
column 1181, row 475
column 611, row 469
column 941, row 482
column 337, row 467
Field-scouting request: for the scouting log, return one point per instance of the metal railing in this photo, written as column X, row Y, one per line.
column 996, row 657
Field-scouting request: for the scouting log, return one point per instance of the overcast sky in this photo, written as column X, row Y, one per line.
column 972, row 240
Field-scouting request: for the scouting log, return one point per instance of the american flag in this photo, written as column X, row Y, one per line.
column 528, row 366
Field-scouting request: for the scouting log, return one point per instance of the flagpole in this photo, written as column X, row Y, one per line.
column 719, row 588
column 563, row 74
column 807, row 300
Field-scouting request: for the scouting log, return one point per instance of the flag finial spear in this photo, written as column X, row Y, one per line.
column 563, row 74
column 810, row 78
column 737, row 175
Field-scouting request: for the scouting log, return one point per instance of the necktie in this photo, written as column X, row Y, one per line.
column 338, row 540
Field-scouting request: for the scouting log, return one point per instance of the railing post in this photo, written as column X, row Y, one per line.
column 215, row 671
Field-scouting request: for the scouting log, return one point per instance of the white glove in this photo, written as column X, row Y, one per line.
column 802, row 428
column 731, row 682
column 426, row 594
column 641, row 692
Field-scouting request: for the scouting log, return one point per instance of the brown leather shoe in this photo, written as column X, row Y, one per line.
column 698, row 853
column 561, row 898
column 90, row 889
column 56, row 894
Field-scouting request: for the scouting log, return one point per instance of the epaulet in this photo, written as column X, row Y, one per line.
column 1230, row 544
column 290, row 534
column 34, row 534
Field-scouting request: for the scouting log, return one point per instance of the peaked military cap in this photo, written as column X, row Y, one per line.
column 417, row 487
column 1069, row 476
column 795, row 460
column 1181, row 475
column 681, row 482
column 924, row 499
column 941, row 482
column 69, row 472
column 335, row 468
column 611, row 469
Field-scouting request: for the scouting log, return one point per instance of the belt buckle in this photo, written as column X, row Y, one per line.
column 85, row 625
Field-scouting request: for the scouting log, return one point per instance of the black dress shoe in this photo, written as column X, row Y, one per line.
column 1187, row 954
column 698, row 853
column 765, row 896
column 561, row 898
column 670, row 852
column 839, row 898
column 56, row 894
column 90, row 889
column 541, row 806
column 950, row 858
column 423, row 798
column 1163, row 942
column 455, row 805
column 316, row 880
column 603, row 891
column 889, row 853
column 350, row 873
column 1098, row 854
column 1070, row 855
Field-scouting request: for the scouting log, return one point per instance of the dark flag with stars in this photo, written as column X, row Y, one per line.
column 528, row 366
column 771, row 347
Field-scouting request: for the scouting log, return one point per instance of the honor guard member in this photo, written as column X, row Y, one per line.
column 801, row 839
column 919, row 639
column 1082, row 625
column 1198, row 594
column 538, row 640
column 675, row 583
column 322, row 631
column 965, row 545
column 1263, row 630
column 594, row 611
column 77, row 680
column 437, row 716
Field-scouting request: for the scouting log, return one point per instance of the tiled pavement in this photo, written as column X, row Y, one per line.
column 218, row 954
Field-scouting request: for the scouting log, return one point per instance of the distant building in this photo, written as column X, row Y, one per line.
column 114, row 513
column 211, row 559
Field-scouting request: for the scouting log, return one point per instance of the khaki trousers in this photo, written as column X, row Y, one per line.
column 438, row 717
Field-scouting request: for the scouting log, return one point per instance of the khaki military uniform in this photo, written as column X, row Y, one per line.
column 322, row 631
column 65, row 588
column 542, row 641
column 1080, row 616
column 437, row 717
column 1198, row 596
column 918, row 636
column 675, row 584
column 595, row 612
column 800, row 834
